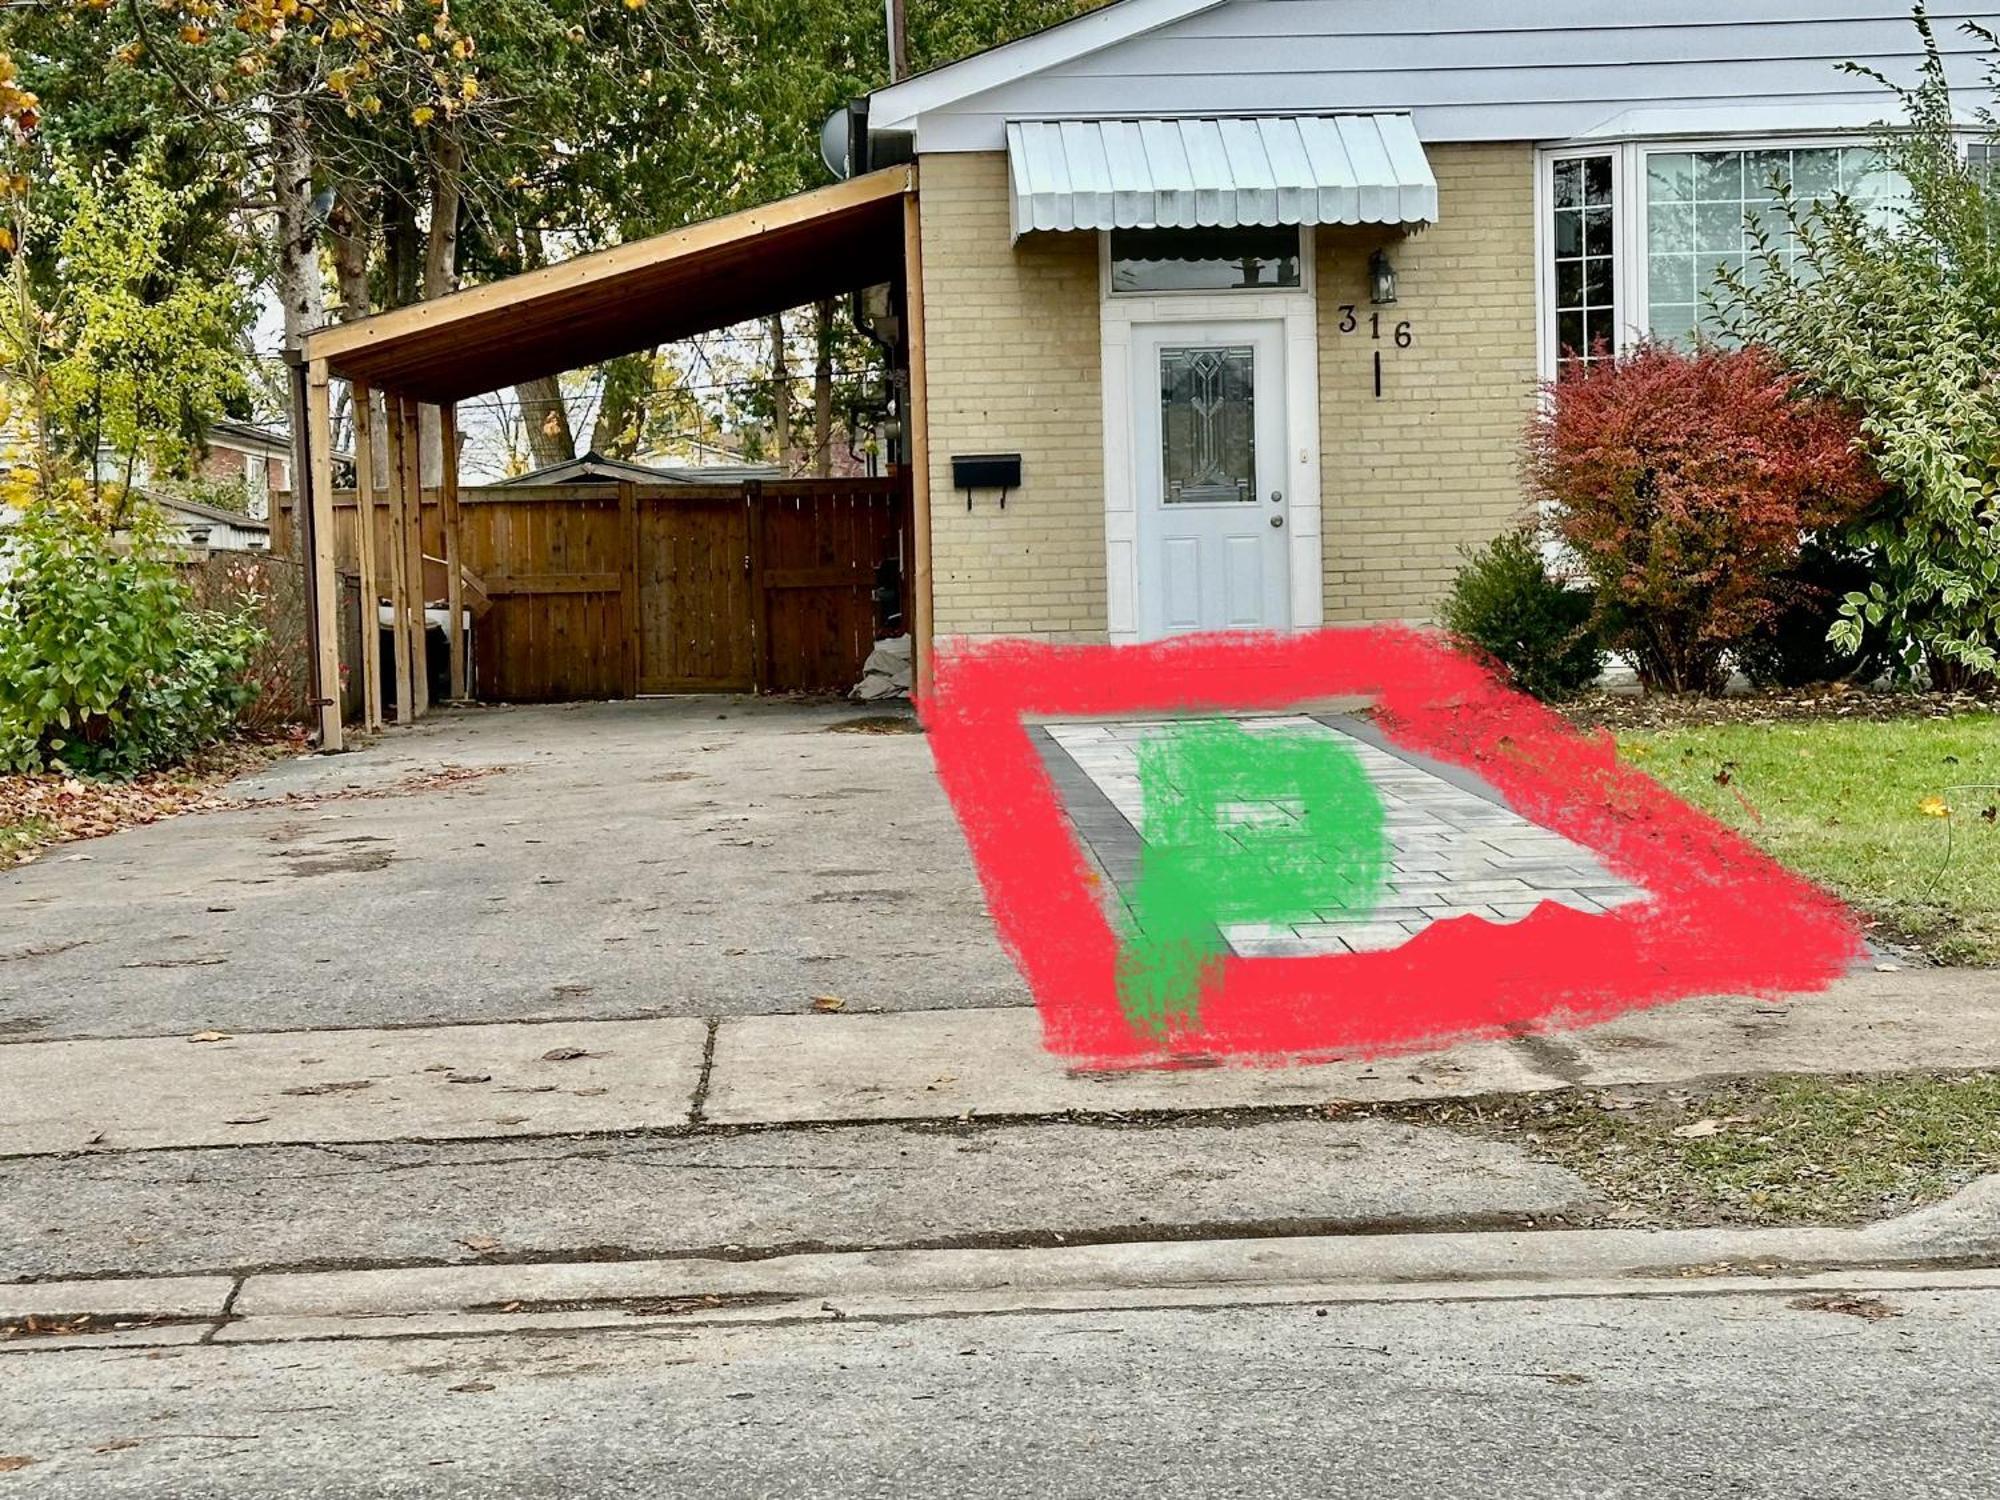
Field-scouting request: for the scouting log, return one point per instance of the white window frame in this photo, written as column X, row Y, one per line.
column 1303, row 289
column 1297, row 308
column 1630, row 296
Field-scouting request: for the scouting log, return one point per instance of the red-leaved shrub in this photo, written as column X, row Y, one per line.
column 1686, row 483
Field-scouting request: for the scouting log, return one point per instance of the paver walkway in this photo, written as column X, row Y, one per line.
column 1458, row 849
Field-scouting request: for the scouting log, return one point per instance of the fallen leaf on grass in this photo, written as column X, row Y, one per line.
column 1873, row 1309
column 828, row 1003
column 1934, row 807
column 1699, row 1130
column 9, row 1462
column 210, row 1036
column 344, row 1086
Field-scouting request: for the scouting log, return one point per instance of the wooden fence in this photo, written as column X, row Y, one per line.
column 606, row 591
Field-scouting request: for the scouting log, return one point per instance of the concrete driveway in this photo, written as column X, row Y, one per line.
column 668, row 857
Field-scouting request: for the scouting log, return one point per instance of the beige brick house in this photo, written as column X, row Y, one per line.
column 1147, row 238
column 1200, row 314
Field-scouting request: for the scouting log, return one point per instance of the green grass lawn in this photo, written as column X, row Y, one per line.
column 1783, row 1150
column 1896, row 816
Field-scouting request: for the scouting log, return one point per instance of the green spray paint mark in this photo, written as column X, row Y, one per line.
column 1240, row 827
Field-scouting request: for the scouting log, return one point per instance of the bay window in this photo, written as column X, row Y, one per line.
column 1623, row 262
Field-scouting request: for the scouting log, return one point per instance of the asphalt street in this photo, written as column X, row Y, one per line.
column 1692, row 1396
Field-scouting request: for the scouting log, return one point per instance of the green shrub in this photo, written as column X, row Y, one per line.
column 1793, row 649
column 1504, row 603
column 105, row 669
column 1896, row 310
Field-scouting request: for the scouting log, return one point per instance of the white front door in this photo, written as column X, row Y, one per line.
column 1209, row 459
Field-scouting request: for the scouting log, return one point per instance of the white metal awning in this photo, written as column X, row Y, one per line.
column 1184, row 174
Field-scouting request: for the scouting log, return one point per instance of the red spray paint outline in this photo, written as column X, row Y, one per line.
column 1723, row 918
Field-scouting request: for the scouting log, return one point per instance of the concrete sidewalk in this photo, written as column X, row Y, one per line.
column 565, row 1078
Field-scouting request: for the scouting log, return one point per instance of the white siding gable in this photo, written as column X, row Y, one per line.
column 1468, row 70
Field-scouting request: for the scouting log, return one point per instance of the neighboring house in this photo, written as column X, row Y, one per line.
column 1261, row 291
column 260, row 457
column 196, row 524
column 594, row 468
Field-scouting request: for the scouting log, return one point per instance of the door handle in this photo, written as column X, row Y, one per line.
column 1277, row 520
column 1277, row 496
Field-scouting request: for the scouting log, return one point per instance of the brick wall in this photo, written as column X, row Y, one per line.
column 1407, row 479
column 1012, row 337
column 1014, row 355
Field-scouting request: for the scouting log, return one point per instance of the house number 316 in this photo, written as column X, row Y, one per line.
column 1403, row 335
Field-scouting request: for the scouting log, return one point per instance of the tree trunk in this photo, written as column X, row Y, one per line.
column 301, row 292
column 628, row 384
column 544, row 415
column 440, row 277
column 781, row 396
column 545, row 418
column 348, row 228
column 823, row 329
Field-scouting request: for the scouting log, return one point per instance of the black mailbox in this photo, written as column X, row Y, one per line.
column 986, row 471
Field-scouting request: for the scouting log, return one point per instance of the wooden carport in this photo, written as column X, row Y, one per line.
column 823, row 243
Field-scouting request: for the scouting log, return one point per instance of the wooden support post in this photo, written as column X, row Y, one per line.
column 362, row 400
column 399, row 555
column 454, row 601
column 628, row 588
column 917, row 446
column 760, row 597
column 413, row 556
column 325, row 583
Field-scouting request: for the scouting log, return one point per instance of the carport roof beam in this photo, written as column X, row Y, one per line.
column 710, row 275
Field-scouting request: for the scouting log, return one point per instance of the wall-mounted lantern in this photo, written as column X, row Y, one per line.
column 1381, row 279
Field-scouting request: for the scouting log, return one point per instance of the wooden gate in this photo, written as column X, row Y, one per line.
column 607, row 591
column 696, row 626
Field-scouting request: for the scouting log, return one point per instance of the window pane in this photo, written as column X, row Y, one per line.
column 1569, row 333
column 1672, row 322
column 1718, row 175
column 1208, row 444
column 1672, row 278
column 1597, row 281
column 1718, row 226
column 1670, row 226
column 1597, row 181
column 1597, row 231
column 1207, row 260
column 1569, row 283
column 1816, row 174
column 1761, row 169
column 1569, row 184
column 1569, row 232
column 1670, row 177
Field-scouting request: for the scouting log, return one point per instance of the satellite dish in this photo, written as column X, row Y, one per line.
column 834, row 143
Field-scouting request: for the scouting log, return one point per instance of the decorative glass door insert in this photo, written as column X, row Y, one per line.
column 1208, row 424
